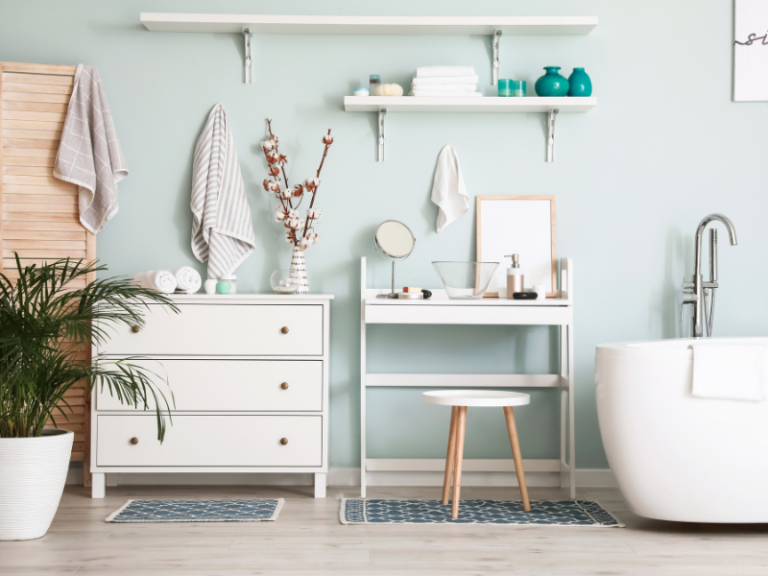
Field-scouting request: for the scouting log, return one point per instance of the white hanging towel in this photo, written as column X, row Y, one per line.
column 157, row 280
column 729, row 371
column 89, row 153
column 448, row 190
column 187, row 279
column 222, row 229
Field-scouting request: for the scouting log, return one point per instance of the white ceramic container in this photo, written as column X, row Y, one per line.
column 677, row 457
column 33, row 472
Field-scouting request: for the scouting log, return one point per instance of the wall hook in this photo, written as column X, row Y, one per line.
column 551, row 138
column 382, row 115
column 248, row 60
column 496, row 57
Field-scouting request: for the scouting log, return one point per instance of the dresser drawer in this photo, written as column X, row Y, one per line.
column 222, row 329
column 235, row 385
column 214, row 441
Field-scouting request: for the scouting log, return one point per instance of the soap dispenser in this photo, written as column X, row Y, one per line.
column 515, row 276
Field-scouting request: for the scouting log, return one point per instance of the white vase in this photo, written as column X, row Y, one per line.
column 298, row 272
column 33, row 472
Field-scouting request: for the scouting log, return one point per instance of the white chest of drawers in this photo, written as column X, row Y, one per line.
column 249, row 375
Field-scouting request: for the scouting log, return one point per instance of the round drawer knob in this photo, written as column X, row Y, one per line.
column 284, row 329
column 134, row 441
column 284, row 441
column 135, row 329
column 284, row 385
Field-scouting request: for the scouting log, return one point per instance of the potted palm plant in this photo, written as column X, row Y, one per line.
column 45, row 319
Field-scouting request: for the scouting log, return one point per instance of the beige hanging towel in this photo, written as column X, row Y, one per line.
column 89, row 153
column 222, row 229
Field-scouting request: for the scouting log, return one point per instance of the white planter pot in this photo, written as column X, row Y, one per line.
column 33, row 472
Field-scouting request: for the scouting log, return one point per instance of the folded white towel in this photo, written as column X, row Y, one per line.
column 448, row 189
column 436, row 93
column 157, row 280
column 730, row 371
column 452, row 71
column 439, row 80
column 187, row 279
column 452, row 88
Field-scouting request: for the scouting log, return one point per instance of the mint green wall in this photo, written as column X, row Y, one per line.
column 633, row 177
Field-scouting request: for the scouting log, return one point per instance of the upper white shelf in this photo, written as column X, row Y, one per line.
column 366, row 25
column 466, row 104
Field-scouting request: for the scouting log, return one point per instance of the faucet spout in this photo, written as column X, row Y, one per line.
column 698, row 288
column 700, row 234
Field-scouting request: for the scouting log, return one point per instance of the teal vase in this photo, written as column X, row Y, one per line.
column 552, row 83
column 579, row 83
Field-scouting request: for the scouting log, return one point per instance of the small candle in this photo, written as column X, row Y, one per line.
column 517, row 88
column 504, row 87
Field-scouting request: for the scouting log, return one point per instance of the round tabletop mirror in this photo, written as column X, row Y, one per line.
column 394, row 239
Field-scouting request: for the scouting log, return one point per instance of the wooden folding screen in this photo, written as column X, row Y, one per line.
column 40, row 213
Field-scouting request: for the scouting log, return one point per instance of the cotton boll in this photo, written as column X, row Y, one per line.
column 287, row 193
column 268, row 145
column 280, row 214
column 293, row 213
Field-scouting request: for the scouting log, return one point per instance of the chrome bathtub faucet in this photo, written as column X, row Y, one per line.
column 698, row 291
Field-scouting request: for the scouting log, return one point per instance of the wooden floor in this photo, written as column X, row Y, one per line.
column 307, row 538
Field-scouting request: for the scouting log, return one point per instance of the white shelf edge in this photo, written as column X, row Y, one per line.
column 384, row 380
column 367, row 25
column 466, row 104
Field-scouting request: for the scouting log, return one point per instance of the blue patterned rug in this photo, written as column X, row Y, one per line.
column 507, row 512
column 261, row 510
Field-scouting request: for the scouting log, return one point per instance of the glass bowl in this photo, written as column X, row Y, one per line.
column 465, row 280
column 282, row 283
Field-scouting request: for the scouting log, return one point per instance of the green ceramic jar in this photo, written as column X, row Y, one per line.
column 552, row 83
column 579, row 83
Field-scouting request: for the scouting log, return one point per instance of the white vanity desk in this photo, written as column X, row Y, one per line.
column 489, row 311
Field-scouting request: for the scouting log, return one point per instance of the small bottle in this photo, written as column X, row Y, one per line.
column 515, row 276
column 375, row 80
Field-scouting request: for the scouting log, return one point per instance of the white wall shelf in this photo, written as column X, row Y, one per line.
column 492, row 26
column 466, row 104
column 550, row 106
column 366, row 25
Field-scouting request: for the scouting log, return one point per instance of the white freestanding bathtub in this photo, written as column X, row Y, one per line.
column 675, row 456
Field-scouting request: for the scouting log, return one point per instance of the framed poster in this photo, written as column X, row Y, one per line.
column 750, row 51
column 523, row 225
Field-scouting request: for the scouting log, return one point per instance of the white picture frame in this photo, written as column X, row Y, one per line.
column 523, row 225
column 750, row 51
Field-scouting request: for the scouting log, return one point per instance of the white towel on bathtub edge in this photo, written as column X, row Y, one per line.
column 448, row 190
column 730, row 371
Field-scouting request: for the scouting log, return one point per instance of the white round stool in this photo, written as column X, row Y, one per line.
column 460, row 399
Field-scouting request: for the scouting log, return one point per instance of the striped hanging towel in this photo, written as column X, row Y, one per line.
column 222, row 229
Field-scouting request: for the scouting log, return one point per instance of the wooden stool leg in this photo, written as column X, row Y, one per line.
column 461, row 425
column 509, row 415
column 449, row 458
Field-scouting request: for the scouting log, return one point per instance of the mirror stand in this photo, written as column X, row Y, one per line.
column 392, row 294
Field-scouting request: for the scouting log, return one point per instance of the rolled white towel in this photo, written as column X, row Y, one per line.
column 431, row 81
column 440, row 93
column 457, row 88
column 158, row 280
column 187, row 279
column 442, row 71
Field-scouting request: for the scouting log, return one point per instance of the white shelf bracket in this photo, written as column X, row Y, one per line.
column 382, row 115
column 248, row 59
column 551, row 138
column 496, row 57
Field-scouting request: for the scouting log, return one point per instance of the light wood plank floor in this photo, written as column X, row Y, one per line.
column 308, row 539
